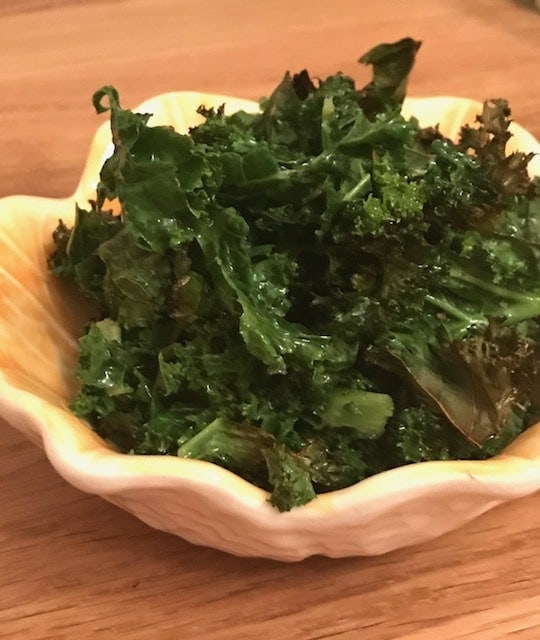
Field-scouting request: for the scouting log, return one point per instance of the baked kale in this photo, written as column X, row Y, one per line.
column 313, row 293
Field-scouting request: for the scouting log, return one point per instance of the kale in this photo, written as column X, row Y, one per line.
column 313, row 293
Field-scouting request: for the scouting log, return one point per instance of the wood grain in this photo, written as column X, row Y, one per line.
column 73, row 566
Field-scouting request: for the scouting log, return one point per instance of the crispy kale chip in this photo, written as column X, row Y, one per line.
column 313, row 293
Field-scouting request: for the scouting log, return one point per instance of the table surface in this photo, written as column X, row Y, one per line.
column 74, row 566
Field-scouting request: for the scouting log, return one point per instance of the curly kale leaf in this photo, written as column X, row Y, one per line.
column 75, row 256
column 481, row 180
column 392, row 64
column 488, row 142
column 420, row 434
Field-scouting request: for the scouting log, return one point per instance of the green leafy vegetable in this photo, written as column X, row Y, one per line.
column 313, row 293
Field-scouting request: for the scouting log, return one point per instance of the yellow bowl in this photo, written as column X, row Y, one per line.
column 41, row 319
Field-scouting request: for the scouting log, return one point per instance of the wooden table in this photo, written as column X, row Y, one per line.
column 75, row 567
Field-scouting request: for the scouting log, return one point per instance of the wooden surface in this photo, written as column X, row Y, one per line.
column 73, row 566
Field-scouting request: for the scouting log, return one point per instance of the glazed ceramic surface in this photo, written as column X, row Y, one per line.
column 41, row 319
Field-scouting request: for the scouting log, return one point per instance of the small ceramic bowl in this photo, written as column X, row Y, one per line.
column 41, row 319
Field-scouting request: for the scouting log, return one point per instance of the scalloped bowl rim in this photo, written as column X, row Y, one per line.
column 84, row 460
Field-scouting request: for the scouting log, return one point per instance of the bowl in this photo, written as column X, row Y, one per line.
column 41, row 319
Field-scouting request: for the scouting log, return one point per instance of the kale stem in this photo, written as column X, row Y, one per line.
column 518, row 307
column 359, row 188
column 448, row 308
column 489, row 286
column 527, row 309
